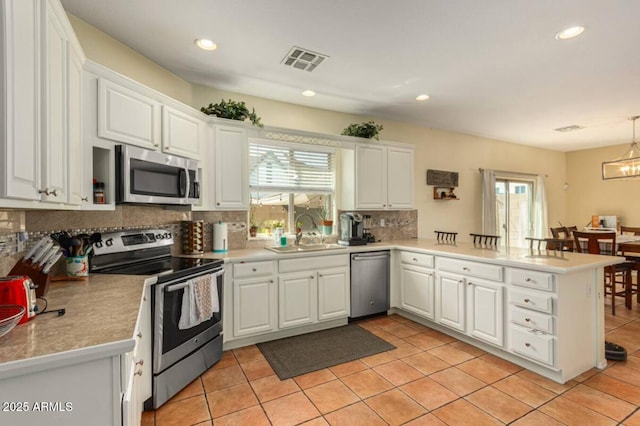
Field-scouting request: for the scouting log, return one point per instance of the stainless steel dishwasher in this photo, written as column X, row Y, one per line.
column 369, row 283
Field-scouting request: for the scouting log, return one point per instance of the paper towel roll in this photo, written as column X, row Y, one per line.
column 220, row 238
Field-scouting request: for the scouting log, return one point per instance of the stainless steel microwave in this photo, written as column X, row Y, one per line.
column 152, row 177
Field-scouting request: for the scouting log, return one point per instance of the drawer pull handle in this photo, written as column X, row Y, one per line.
column 254, row 269
column 526, row 300
column 527, row 319
column 415, row 260
column 528, row 279
column 528, row 345
column 465, row 269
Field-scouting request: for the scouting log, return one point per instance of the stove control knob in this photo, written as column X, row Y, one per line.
column 159, row 236
column 109, row 242
column 167, row 235
column 99, row 244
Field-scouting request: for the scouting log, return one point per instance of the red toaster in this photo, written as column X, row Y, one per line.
column 19, row 290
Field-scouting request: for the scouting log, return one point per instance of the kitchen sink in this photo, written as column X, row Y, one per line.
column 306, row 247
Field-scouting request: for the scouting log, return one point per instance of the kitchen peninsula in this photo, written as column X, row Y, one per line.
column 541, row 310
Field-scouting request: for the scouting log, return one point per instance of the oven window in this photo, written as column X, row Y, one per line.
column 172, row 336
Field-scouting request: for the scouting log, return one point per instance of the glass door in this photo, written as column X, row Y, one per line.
column 514, row 208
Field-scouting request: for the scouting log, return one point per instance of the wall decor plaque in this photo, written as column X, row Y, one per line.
column 442, row 178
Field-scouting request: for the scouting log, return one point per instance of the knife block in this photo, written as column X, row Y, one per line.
column 39, row 278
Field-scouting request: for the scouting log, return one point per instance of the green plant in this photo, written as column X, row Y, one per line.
column 366, row 130
column 233, row 110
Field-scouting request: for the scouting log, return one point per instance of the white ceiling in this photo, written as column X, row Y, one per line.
column 493, row 68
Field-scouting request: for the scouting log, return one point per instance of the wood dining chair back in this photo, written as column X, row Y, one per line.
column 632, row 230
column 562, row 233
column 604, row 243
column 629, row 230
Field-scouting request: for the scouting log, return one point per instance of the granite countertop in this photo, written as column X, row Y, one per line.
column 516, row 257
column 100, row 311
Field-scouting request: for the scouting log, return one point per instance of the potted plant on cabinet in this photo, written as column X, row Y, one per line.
column 233, row 110
column 325, row 218
column 366, row 130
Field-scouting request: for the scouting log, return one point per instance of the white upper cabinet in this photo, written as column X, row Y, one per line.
column 230, row 168
column 41, row 80
column 127, row 116
column 377, row 177
column 181, row 133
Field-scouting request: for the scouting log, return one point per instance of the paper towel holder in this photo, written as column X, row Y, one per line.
column 220, row 237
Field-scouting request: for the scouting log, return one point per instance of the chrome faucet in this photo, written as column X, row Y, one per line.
column 299, row 229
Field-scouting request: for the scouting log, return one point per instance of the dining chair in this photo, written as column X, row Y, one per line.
column 604, row 243
column 631, row 230
column 563, row 233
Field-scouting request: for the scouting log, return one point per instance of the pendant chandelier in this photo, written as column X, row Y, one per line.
column 628, row 165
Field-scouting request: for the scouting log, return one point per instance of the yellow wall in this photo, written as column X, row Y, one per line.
column 588, row 194
column 434, row 149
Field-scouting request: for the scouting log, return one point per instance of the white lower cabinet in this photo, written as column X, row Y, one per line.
column 485, row 311
column 255, row 306
column 450, row 301
column 297, row 299
column 333, row 293
column 418, row 290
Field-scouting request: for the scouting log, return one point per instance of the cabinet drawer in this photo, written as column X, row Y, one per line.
column 474, row 269
column 533, row 344
column 534, row 320
column 530, row 300
column 311, row 263
column 532, row 279
column 419, row 259
column 252, row 269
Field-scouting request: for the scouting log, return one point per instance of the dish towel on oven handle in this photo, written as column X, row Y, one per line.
column 199, row 302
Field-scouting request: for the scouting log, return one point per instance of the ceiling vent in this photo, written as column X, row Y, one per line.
column 569, row 128
column 303, row 59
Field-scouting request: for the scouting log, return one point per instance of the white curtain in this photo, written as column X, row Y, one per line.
column 489, row 214
column 540, row 208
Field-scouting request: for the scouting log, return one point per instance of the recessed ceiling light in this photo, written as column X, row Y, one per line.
column 422, row 97
column 569, row 33
column 308, row 93
column 205, row 44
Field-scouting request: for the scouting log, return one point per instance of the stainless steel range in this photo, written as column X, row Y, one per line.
column 179, row 354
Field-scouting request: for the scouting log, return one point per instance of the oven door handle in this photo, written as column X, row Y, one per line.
column 180, row 286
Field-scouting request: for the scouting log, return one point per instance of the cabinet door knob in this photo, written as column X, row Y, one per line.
column 43, row 191
column 415, row 260
column 465, row 268
column 311, row 277
column 527, row 319
column 254, row 269
column 460, row 281
column 54, row 192
column 217, row 204
column 528, row 279
column 526, row 300
column 138, row 373
column 384, row 205
column 139, row 334
column 270, row 281
column 85, row 199
column 141, row 362
column 527, row 345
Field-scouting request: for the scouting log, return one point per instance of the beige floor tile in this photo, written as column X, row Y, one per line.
column 384, row 335
column 601, row 402
column 358, row 414
column 626, row 374
column 314, row 378
column 498, row 404
column 290, row 410
column 536, row 418
column 569, row 412
column 483, row 370
column 461, row 412
column 378, row 359
column 331, row 396
column 440, row 336
column 194, row 388
column 426, row 363
column 398, row 372
column 615, row 387
column 400, row 319
column 587, row 375
column 247, row 353
column 450, row 354
column 525, row 391
column 366, row 383
column 403, row 349
column 256, row 369
column 187, row 411
column 385, row 321
column 228, row 360
column 222, row 378
column 148, row 418
column 253, row 416
column 367, row 325
column 501, row 363
column 633, row 420
column 421, row 328
column 547, row 383
column 348, row 368
column 231, row 399
column 401, row 330
column 426, row 420
column 467, row 348
column 205, row 423
column 271, row 387
column 423, row 341
column 395, row 407
column 318, row 421
column 429, row 393
column 457, row 381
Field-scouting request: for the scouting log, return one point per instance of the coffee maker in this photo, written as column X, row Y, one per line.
column 351, row 230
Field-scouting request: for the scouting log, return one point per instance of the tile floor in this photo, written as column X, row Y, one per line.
column 429, row 379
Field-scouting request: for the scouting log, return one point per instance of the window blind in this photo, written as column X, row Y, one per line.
column 290, row 168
